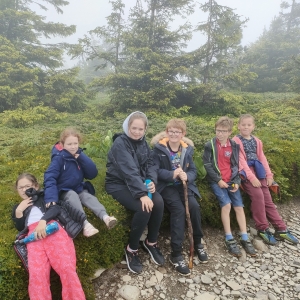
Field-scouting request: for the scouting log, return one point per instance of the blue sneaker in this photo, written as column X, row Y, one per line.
column 286, row 235
column 267, row 236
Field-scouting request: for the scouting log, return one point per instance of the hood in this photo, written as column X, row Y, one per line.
column 162, row 139
column 125, row 123
column 57, row 149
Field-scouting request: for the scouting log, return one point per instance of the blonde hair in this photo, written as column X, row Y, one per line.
column 69, row 132
column 28, row 176
column 246, row 116
column 224, row 122
column 138, row 115
column 176, row 123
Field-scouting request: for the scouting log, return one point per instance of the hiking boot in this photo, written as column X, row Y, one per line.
column 133, row 261
column 286, row 235
column 199, row 249
column 155, row 253
column 247, row 245
column 267, row 236
column 180, row 266
column 233, row 248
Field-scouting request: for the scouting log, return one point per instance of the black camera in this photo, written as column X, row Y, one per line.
column 33, row 193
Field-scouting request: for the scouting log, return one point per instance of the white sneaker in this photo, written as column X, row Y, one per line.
column 110, row 222
column 89, row 230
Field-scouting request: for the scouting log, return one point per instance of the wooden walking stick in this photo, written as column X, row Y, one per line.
column 189, row 224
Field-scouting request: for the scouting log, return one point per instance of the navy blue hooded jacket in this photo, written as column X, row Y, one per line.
column 67, row 173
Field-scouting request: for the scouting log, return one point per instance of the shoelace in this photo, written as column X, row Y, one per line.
column 182, row 263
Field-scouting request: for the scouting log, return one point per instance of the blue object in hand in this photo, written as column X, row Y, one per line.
column 50, row 229
column 147, row 182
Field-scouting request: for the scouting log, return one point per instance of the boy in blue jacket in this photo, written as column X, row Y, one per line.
column 172, row 155
column 64, row 179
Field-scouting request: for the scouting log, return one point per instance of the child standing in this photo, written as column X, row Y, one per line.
column 172, row 155
column 258, row 177
column 63, row 180
column 221, row 161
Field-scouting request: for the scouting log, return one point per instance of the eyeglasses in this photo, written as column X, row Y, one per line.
column 174, row 132
column 221, row 131
column 26, row 187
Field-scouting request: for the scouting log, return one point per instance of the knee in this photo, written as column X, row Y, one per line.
column 193, row 205
column 226, row 208
column 71, row 195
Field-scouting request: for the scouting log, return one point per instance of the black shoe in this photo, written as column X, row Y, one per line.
column 180, row 266
column 247, row 245
column 155, row 253
column 233, row 248
column 133, row 261
column 199, row 249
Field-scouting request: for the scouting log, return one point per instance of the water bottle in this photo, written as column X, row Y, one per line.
column 148, row 181
column 50, row 229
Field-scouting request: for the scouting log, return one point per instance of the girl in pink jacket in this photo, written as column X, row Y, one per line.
column 254, row 168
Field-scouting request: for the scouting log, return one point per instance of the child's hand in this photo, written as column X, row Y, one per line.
column 270, row 181
column 22, row 206
column 151, row 187
column 147, row 203
column 236, row 187
column 40, row 230
column 256, row 183
column 183, row 176
column 222, row 184
column 177, row 172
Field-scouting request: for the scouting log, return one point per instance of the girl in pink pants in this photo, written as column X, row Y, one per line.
column 55, row 251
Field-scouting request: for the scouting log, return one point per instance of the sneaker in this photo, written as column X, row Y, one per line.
column 110, row 222
column 247, row 245
column 286, row 235
column 267, row 236
column 180, row 266
column 89, row 230
column 233, row 248
column 199, row 249
column 155, row 253
column 133, row 261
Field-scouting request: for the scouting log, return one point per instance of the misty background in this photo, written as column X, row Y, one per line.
column 89, row 14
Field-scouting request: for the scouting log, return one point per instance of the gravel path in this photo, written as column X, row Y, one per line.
column 273, row 274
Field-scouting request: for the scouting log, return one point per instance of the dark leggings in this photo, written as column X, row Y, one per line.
column 141, row 218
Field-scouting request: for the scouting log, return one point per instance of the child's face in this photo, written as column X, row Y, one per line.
column 222, row 134
column 137, row 129
column 23, row 185
column 175, row 135
column 246, row 126
column 71, row 144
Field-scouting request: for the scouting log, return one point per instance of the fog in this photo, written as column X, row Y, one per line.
column 88, row 14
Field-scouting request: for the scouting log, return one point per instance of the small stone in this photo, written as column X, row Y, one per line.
column 129, row 292
column 205, row 279
column 126, row 278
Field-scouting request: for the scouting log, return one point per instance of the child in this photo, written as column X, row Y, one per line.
column 56, row 250
column 258, row 177
column 221, row 161
column 172, row 156
column 128, row 166
column 63, row 180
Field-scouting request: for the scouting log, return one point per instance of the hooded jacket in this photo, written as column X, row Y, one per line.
column 129, row 164
column 163, row 164
column 65, row 172
column 69, row 217
column 210, row 161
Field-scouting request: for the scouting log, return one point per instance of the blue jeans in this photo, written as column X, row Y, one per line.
column 225, row 196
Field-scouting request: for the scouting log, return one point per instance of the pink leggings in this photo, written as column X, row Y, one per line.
column 56, row 251
column 262, row 206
